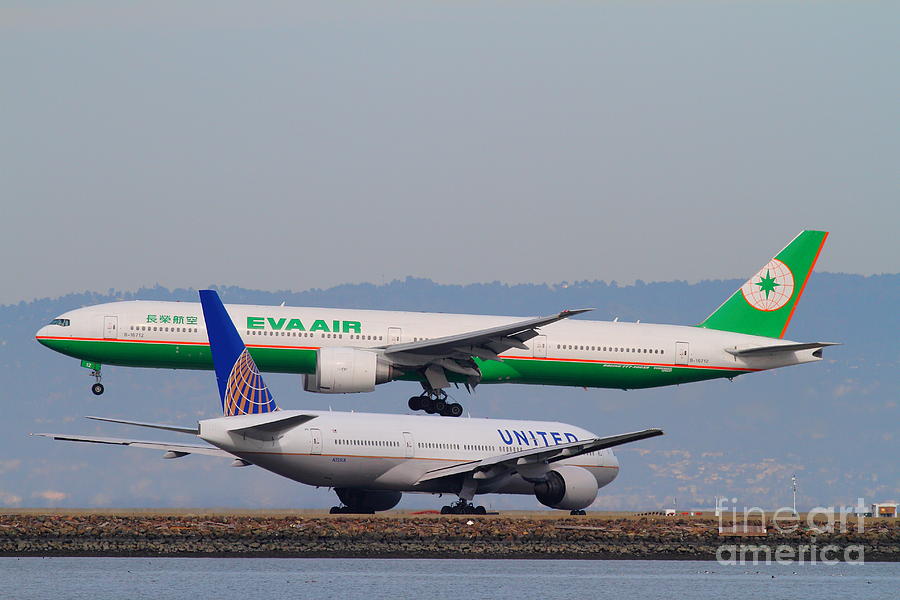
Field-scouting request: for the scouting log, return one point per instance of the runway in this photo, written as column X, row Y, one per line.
column 314, row 534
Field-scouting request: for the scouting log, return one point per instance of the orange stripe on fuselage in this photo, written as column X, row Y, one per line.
column 617, row 362
column 458, row 460
column 578, row 360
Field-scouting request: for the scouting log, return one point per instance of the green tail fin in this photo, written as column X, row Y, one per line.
column 765, row 304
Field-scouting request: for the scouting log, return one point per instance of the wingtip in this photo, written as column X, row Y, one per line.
column 574, row 311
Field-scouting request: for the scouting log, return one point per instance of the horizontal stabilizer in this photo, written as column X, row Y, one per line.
column 177, row 428
column 175, row 448
column 776, row 348
column 546, row 454
column 278, row 424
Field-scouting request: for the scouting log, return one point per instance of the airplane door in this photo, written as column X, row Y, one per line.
column 540, row 346
column 682, row 353
column 316, row 439
column 394, row 335
column 408, row 444
column 110, row 328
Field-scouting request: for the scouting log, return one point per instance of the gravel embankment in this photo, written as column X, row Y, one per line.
column 108, row 534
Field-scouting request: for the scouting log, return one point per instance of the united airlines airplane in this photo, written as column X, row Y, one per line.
column 350, row 350
column 371, row 459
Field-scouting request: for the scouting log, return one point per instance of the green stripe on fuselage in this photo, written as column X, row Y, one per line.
column 179, row 356
column 303, row 360
column 593, row 374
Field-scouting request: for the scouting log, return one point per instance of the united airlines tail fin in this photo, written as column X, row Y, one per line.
column 241, row 387
column 765, row 304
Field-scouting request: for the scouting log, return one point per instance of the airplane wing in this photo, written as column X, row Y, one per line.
column 178, row 428
column 169, row 447
column 511, row 462
column 775, row 348
column 455, row 353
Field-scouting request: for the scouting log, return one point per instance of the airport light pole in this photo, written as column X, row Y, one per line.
column 794, row 488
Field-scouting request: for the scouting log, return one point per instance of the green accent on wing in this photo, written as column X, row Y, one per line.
column 737, row 315
column 94, row 366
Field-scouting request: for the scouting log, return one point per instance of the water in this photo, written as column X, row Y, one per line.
column 372, row 579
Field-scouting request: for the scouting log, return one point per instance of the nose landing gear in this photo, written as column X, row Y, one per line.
column 435, row 402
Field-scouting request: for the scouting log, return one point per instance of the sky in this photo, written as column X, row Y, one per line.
column 295, row 145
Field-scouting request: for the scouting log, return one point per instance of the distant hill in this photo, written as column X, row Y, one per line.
column 833, row 423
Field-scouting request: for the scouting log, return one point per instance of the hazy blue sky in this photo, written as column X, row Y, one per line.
column 305, row 144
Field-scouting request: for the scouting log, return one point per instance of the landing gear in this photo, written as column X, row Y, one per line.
column 97, row 388
column 435, row 402
column 578, row 513
column 454, row 410
column 463, row 507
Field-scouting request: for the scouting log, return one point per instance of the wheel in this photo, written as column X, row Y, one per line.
column 415, row 403
column 97, row 388
column 439, row 406
column 428, row 406
column 578, row 513
column 454, row 410
column 479, row 510
column 445, row 510
column 335, row 510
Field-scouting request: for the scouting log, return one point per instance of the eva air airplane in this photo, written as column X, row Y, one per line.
column 342, row 351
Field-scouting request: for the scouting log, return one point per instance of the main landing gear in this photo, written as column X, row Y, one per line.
column 463, row 507
column 435, row 402
column 97, row 388
column 577, row 513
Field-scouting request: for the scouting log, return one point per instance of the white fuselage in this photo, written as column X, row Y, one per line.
column 391, row 452
column 138, row 325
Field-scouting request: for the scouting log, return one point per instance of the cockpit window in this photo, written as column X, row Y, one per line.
column 60, row 322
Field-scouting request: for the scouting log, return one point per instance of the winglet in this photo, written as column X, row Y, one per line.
column 241, row 387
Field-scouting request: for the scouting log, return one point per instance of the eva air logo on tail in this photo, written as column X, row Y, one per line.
column 771, row 288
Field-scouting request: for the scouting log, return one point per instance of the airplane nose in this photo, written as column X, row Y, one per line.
column 41, row 334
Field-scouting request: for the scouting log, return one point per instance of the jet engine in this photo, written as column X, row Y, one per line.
column 347, row 371
column 368, row 500
column 567, row 488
